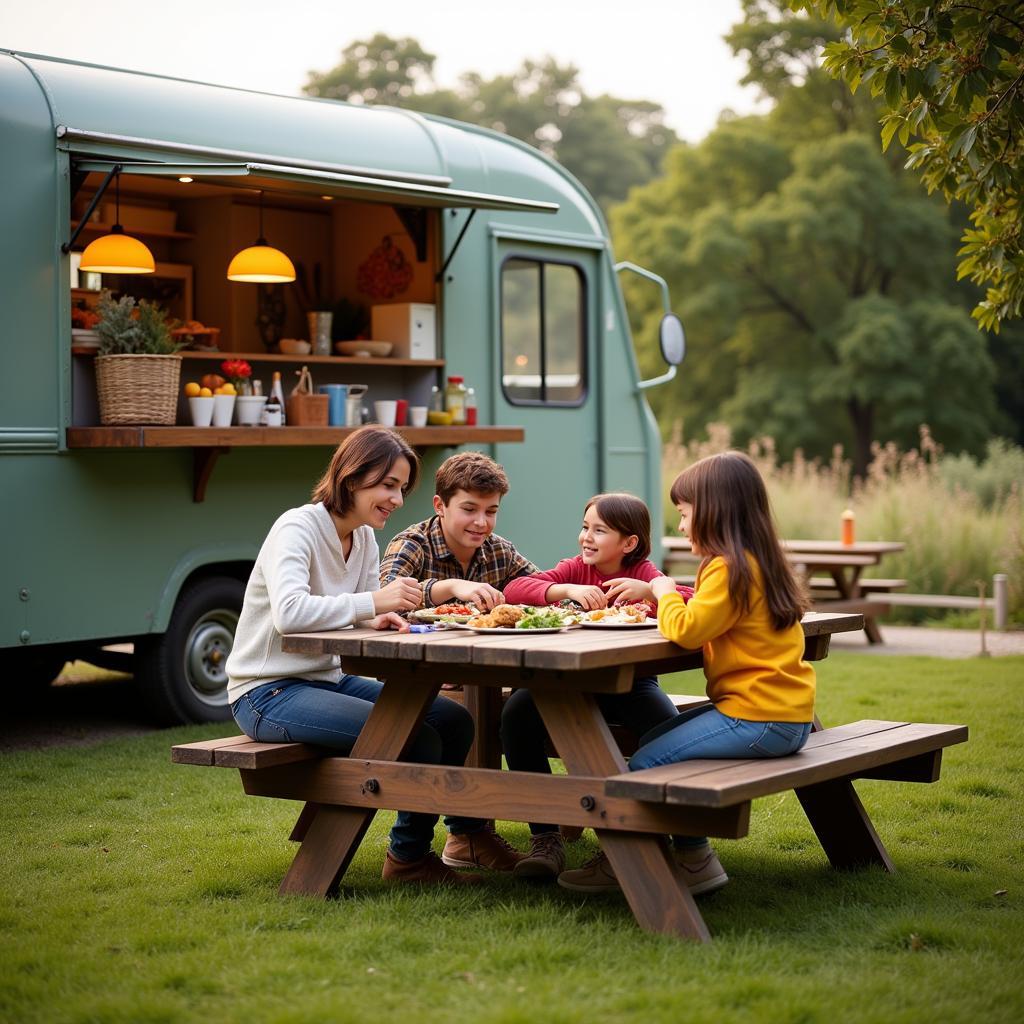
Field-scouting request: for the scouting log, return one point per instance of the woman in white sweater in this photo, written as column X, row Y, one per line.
column 318, row 570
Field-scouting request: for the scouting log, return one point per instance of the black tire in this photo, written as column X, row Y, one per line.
column 182, row 674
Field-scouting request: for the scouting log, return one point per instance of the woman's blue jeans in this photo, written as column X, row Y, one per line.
column 707, row 733
column 333, row 714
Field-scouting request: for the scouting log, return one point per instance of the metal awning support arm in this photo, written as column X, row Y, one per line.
column 455, row 248
column 66, row 247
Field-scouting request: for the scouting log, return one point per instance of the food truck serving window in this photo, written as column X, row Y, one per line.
column 543, row 332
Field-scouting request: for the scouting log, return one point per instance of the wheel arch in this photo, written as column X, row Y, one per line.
column 234, row 561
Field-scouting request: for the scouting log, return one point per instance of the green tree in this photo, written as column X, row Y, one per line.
column 610, row 144
column 951, row 77
column 813, row 285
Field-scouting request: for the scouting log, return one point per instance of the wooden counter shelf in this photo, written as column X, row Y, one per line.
column 209, row 443
column 275, row 357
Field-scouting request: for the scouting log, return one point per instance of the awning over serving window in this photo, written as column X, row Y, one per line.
column 281, row 178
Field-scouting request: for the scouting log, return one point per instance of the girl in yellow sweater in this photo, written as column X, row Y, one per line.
column 745, row 615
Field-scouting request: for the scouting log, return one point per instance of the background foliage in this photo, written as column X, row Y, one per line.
column 950, row 76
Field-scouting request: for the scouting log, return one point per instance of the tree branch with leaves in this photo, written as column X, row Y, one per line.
column 952, row 79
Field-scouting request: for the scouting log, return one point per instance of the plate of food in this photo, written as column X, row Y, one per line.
column 623, row 616
column 455, row 612
column 517, row 618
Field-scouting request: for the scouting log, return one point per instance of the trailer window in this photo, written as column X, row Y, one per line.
column 542, row 332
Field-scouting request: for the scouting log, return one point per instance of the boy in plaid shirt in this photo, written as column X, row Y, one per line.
column 456, row 556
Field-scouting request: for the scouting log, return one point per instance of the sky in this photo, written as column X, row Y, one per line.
column 668, row 51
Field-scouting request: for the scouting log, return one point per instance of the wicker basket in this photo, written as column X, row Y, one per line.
column 307, row 410
column 138, row 389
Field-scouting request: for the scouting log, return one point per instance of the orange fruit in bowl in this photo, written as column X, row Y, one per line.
column 192, row 389
column 228, row 389
column 205, row 393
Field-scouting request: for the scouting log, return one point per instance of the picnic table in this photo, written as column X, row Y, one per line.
column 843, row 589
column 631, row 812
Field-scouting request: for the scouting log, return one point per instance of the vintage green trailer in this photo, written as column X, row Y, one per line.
column 147, row 535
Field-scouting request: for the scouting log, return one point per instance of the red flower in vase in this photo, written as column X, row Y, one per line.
column 236, row 370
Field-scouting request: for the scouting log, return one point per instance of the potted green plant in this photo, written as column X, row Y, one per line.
column 138, row 365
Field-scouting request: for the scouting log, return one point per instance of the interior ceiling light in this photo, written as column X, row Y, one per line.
column 261, row 263
column 185, row 179
column 117, row 253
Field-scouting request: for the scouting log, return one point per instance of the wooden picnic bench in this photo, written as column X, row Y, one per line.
column 630, row 812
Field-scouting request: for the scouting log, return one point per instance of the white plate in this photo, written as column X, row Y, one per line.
column 512, row 629
column 425, row 615
column 620, row 625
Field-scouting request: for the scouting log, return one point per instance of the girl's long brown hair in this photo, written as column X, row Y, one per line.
column 731, row 516
column 362, row 460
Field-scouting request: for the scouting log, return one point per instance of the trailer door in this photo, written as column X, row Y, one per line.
column 548, row 381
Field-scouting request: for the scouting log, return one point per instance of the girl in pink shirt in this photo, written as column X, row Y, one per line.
column 611, row 568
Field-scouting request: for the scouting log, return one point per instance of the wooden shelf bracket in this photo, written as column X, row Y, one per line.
column 203, row 461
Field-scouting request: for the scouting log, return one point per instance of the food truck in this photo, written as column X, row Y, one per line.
column 455, row 250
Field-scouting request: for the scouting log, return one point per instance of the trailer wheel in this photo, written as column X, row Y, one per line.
column 183, row 674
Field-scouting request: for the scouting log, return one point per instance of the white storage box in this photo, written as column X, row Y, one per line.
column 410, row 326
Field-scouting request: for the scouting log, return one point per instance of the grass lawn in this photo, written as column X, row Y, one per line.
column 136, row 890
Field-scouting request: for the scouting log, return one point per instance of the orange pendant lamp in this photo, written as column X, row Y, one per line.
column 117, row 253
column 261, row 263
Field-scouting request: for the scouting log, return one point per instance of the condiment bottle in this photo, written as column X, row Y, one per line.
column 470, row 407
column 277, row 395
column 436, row 400
column 455, row 400
column 847, row 526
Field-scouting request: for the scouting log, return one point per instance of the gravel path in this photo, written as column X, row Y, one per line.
column 939, row 643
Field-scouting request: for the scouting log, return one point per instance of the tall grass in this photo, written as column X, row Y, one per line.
column 961, row 519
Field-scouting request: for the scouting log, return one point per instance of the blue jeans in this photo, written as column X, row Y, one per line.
column 333, row 714
column 707, row 733
column 524, row 738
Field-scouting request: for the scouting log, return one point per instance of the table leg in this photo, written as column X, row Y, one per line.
column 842, row 825
column 849, row 590
column 333, row 834
column 484, row 704
column 651, row 881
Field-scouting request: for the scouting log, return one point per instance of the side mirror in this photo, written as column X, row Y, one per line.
column 672, row 339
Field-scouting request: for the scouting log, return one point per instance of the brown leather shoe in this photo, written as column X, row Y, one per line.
column 483, row 849
column 426, row 871
column 546, row 858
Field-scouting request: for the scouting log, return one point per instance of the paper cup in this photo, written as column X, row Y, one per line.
column 385, row 413
column 223, row 407
column 417, row 415
column 201, row 410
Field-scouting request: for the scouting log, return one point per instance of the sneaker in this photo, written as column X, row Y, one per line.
column 701, row 868
column 700, row 865
column 427, row 870
column 546, row 858
column 595, row 876
column 483, row 849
